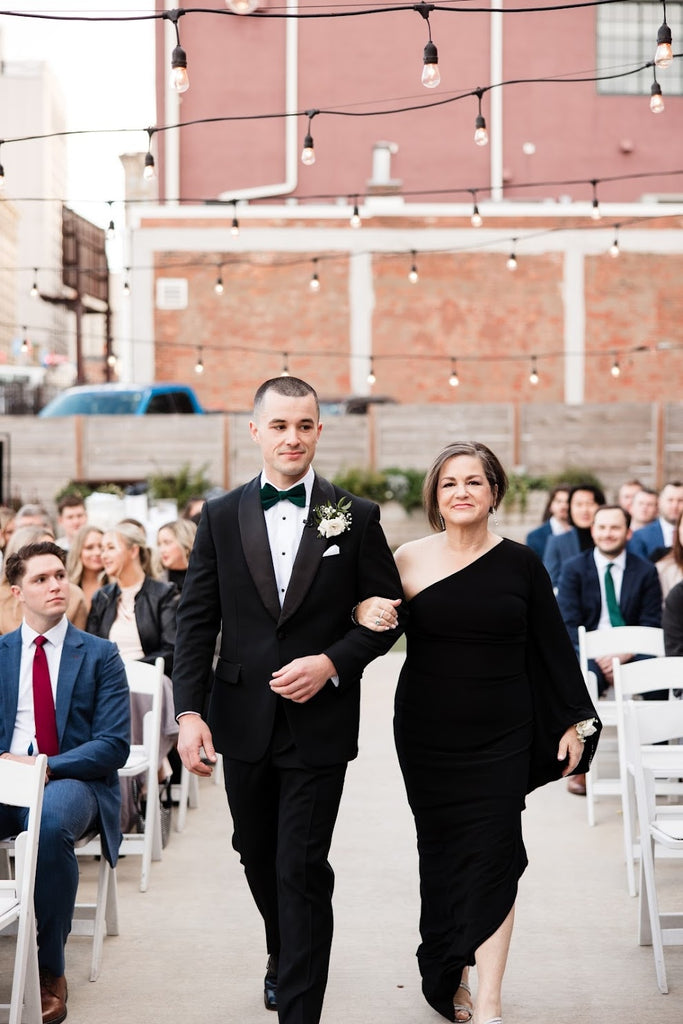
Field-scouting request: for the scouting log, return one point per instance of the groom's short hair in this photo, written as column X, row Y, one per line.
column 292, row 387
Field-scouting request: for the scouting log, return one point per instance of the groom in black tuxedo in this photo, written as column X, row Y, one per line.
column 277, row 568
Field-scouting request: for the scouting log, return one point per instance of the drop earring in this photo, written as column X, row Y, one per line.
column 442, row 521
column 492, row 511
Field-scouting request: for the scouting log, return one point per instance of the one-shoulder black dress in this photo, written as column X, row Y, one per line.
column 465, row 718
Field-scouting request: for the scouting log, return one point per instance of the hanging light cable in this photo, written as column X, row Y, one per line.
column 533, row 376
column 664, row 54
column 34, row 293
column 614, row 247
column 412, row 274
column 179, row 80
column 234, row 227
column 308, row 152
column 199, row 365
column 149, row 172
column 481, row 135
column 314, row 283
column 354, row 219
column 431, row 76
column 454, row 380
column 595, row 211
column 371, row 374
column 656, row 98
column 476, row 220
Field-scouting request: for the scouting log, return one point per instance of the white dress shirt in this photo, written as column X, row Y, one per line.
column 24, row 736
column 601, row 563
column 285, row 525
column 667, row 532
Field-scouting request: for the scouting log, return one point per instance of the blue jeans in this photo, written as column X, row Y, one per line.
column 69, row 811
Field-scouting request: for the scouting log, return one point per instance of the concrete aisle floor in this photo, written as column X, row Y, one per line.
column 191, row 949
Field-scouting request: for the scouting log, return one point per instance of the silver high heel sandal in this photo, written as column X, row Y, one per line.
column 461, row 1008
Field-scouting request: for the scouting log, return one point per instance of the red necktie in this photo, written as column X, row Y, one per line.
column 43, row 702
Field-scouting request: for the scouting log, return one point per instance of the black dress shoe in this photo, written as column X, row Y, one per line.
column 270, row 984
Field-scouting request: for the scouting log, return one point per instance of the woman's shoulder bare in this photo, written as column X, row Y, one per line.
column 413, row 549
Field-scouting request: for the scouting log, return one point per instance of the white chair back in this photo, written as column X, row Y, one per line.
column 598, row 643
column 22, row 785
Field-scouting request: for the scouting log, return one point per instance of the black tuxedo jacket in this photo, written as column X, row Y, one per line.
column 230, row 587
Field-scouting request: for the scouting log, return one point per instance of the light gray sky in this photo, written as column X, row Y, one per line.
column 106, row 75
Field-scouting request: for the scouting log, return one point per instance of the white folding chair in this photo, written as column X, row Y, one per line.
column 22, row 785
column 599, row 643
column 101, row 917
column 630, row 679
column 143, row 758
column 188, row 796
column 647, row 723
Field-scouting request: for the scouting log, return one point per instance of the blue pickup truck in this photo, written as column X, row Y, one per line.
column 124, row 400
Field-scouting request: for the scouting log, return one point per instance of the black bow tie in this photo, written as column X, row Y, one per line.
column 270, row 496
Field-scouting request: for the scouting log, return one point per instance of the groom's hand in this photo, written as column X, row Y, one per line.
column 302, row 678
column 193, row 735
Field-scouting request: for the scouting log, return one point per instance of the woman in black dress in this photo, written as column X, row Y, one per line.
column 490, row 703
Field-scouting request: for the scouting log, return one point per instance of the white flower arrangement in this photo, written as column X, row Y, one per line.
column 333, row 520
column 585, row 728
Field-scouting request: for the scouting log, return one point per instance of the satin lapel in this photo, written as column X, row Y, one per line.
column 73, row 653
column 309, row 554
column 9, row 681
column 255, row 546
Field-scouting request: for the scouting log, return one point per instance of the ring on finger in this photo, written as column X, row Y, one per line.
column 378, row 622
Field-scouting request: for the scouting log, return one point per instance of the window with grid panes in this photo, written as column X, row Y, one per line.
column 627, row 37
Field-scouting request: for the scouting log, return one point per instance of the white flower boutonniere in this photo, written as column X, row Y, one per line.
column 332, row 520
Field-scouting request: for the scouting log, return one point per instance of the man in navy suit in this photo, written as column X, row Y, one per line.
column 277, row 567
column 86, row 742
column 655, row 539
column 608, row 586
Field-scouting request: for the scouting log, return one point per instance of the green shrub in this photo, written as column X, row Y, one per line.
column 401, row 485
column 180, row 486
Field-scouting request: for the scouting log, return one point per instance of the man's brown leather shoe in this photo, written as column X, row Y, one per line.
column 576, row 784
column 53, row 995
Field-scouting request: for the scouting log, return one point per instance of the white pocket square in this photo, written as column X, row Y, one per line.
column 332, row 550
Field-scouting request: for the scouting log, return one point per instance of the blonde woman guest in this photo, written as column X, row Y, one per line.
column 11, row 612
column 7, row 517
column 84, row 561
column 670, row 567
column 490, row 703
column 174, row 543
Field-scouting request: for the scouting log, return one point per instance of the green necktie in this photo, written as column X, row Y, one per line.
column 270, row 495
column 613, row 609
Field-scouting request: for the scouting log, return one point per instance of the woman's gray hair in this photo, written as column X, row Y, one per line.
column 493, row 471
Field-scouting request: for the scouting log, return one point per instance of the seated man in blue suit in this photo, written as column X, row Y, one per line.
column 555, row 520
column 584, row 500
column 654, row 540
column 63, row 693
column 608, row 586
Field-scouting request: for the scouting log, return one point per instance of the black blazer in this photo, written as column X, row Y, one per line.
column 155, row 616
column 230, row 586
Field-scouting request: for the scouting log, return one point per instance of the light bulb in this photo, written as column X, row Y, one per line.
column 149, row 172
column 2, row 178
column 126, row 288
column 308, row 153
column 355, row 220
column 235, row 228
column 111, row 231
column 476, row 220
column 413, row 275
column 454, row 380
column 34, row 288
column 111, row 360
column 242, row 6
column 314, row 284
column 481, row 136
column 533, row 376
column 616, row 369
column 511, row 262
column 664, row 54
column 24, row 346
column 431, row 76
column 656, row 98
column 595, row 211
column 218, row 287
column 371, row 378
column 199, row 366
column 614, row 249
column 179, row 79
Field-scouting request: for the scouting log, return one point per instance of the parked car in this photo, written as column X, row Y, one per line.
column 354, row 405
column 123, row 400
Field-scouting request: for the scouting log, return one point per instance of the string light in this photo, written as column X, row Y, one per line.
column 616, row 369
column 110, row 233
column 242, row 6
column 476, row 220
column 284, row 372
column 149, row 172
column 355, row 220
column 112, row 360
column 656, row 98
column 126, row 283
column 533, row 376
column 595, row 211
column 412, row 274
column 179, row 80
column 314, row 283
column 371, row 375
column 25, row 346
column 481, row 136
column 308, row 152
column 431, row 76
column 454, row 380
column 664, row 54
column 34, row 287
column 199, row 365
column 235, row 227
column 614, row 247
column 512, row 259
column 218, row 286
